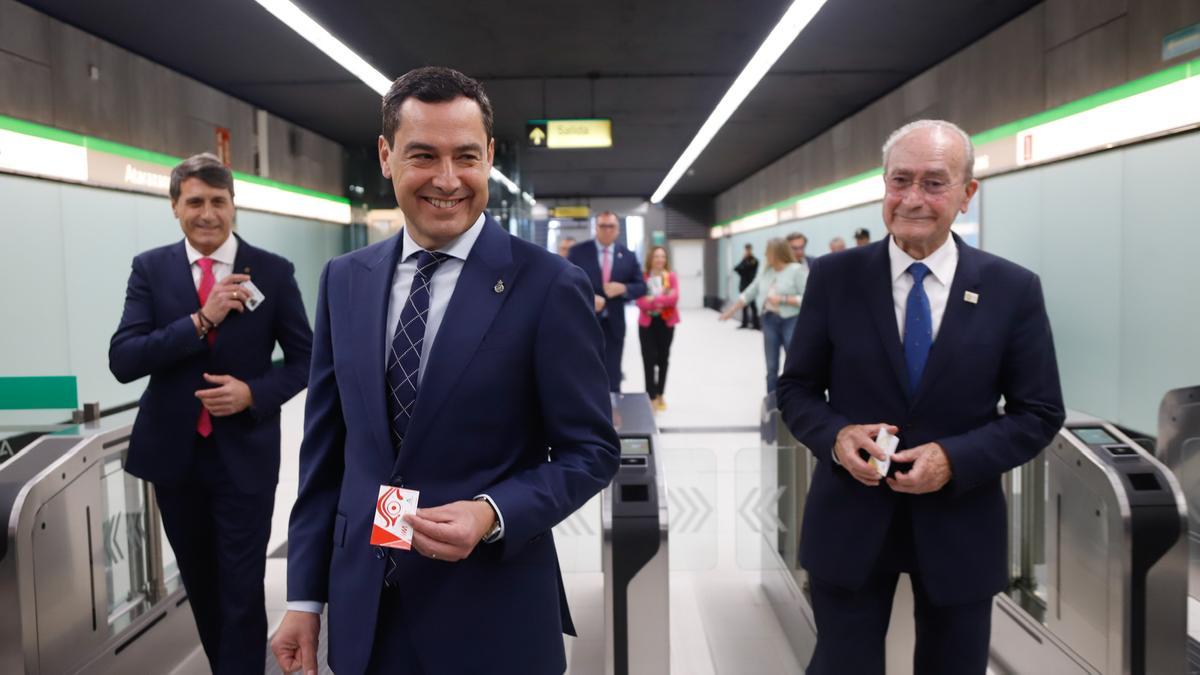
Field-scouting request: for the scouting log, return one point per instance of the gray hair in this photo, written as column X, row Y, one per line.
column 205, row 166
column 940, row 125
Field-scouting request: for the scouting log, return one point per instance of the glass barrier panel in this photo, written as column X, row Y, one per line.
column 126, row 558
column 1028, row 492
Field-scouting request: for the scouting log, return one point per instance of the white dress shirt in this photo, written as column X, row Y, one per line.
column 223, row 259
column 441, row 286
column 942, row 264
column 441, row 289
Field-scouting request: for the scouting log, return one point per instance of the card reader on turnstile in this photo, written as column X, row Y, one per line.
column 634, row 514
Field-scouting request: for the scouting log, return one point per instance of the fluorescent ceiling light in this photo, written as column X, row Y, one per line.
column 503, row 180
column 781, row 37
column 310, row 30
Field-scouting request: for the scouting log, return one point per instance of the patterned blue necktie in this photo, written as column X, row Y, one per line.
column 918, row 326
column 404, row 357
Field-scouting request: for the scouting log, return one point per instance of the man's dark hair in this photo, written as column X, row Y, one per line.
column 749, row 247
column 432, row 84
column 204, row 166
column 797, row 235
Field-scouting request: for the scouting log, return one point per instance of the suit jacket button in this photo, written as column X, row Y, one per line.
column 379, row 553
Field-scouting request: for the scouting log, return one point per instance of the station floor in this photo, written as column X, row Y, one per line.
column 720, row 620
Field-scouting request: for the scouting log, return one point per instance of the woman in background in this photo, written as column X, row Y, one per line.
column 656, row 322
column 778, row 289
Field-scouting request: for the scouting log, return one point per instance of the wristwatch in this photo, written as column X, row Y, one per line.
column 495, row 531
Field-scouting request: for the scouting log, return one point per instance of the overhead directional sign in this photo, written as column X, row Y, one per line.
column 574, row 212
column 537, row 133
column 566, row 134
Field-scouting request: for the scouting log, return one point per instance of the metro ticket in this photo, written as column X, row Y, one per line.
column 390, row 528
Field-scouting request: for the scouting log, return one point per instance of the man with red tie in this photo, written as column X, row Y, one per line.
column 207, row 430
column 616, row 279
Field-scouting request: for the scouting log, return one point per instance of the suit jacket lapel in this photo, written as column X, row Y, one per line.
column 591, row 264
column 230, row 328
column 957, row 319
column 474, row 305
column 182, row 285
column 370, row 292
column 877, row 283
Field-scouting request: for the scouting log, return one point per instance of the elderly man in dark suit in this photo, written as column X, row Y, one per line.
column 923, row 335
column 207, row 430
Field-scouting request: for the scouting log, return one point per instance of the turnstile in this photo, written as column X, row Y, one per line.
column 636, row 570
column 1097, row 560
column 87, row 581
column 1178, row 446
column 1103, row 590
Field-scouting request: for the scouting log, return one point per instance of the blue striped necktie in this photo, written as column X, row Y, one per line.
column 918, row 326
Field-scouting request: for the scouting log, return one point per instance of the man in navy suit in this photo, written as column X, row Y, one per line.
column 461, row 362
column 616, row 279
column 923, row 335
column 207, row 430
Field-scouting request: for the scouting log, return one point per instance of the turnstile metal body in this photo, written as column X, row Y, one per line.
column 82, row 579
column 1113, row 587
column 1178, row 446
column 636, row 567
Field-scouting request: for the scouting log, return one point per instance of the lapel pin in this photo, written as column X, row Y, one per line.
column 972, row 298
column 499, row 287
column 246, row 270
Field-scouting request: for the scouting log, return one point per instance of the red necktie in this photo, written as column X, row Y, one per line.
column 606, row 270
column 207, row 281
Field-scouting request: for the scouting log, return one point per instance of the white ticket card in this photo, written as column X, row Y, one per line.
column 256, row 296
column 889, row 443
column 389, row 528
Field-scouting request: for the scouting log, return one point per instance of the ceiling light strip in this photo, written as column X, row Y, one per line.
column 780, row 38
column 310, row 30
column 295, row 18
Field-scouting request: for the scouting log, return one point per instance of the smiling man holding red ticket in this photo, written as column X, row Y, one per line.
column 456, row 364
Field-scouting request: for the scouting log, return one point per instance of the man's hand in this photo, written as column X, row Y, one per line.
column 451, row 532
column 930, row 470
column 295, row 643
column 226, row 296
column 614, row 288
column 601, row 301
column 853, row 437
column 232, row 396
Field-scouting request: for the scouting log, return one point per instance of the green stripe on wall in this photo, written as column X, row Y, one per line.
column 138, row 154
column 1175, row 73
column 290, row 188
column 35, row 393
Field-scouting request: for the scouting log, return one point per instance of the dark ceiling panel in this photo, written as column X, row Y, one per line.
column 656, row 68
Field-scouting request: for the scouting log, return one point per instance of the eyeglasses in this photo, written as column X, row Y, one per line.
column 930, row 186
